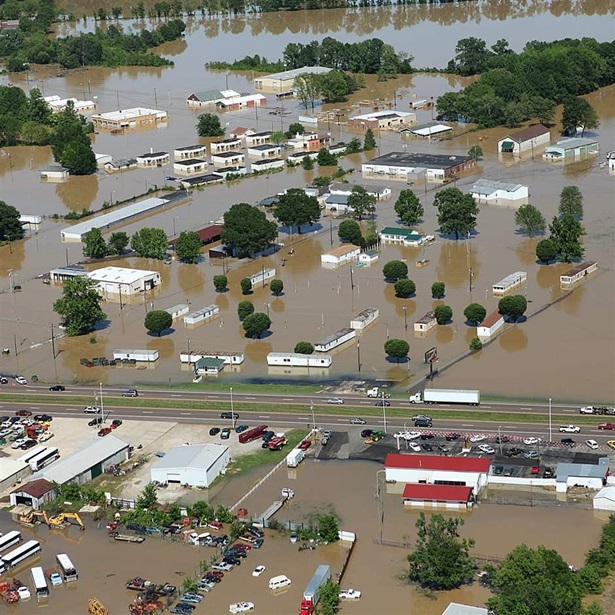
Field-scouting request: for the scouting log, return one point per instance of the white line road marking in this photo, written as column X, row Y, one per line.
column 263, row 416
column 185, row 413
column 34, row 408
column 341, row 420
column 147, row 412
column 510, row 427
column 485, row 406
column 214, row 396
column 287, row 399
column 175, row 395
column 525, row 408
column 251, row 398
column 464, row 425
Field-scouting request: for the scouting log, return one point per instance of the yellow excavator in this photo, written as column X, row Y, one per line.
column 31, row 517
column 95, row 607
column 62, row 521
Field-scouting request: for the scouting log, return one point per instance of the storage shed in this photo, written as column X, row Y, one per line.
column 490, row 325
column 524, row 140
column 35, row 494
column 571, row 149
column 195, row 465
column 147, row 356
column 605, row 499
column 178, row 310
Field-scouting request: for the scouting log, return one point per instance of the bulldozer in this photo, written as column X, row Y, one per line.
column 95, row 607
column 62, row 521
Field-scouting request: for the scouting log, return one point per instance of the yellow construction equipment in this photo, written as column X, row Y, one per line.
column 95, row 607
column 31, row 517
column 62, row 521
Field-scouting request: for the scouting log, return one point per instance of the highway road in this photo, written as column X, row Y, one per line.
column 562, row 414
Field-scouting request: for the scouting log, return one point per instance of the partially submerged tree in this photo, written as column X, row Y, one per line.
column 529, row 219
column 94, row 244
column 156, row 321
column 256, row 324
column 404, row 288
column 395, row 270
column 79, row 305
column 408, row 208
column 397, row 349
column 475, row 313
column 304, row 348
column 443, row 314
column 513, row 306
column 457, row 212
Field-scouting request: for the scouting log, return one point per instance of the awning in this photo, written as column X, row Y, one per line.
column 508, row 145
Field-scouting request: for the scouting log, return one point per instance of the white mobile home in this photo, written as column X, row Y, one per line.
column 292, row 359
column 148, row 356
column 364, row 318
column 178, row 310
column 229, row 358
column 426, row 323
column 490, row 325
column 577, row 273
column 262, row 276
column 509, row 282
column 200, row 315
column 336, row 339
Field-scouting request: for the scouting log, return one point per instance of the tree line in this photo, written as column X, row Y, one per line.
column 514, row 87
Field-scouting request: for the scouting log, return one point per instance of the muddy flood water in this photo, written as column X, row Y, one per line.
column 317, row 302
column 105, row 565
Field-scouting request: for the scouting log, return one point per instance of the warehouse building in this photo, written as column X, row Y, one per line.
column 284, row 81
column 139, row 117
column 12, row 471
column 402, row 166
column 571, row 149
column 493, row 192
column 86, row 464
column 382, row 120
column 195, row 465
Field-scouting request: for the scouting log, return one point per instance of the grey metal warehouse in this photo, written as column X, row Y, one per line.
column 86, row 464
column 197, row 465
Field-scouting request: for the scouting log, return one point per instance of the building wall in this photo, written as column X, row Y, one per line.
column 12, row 479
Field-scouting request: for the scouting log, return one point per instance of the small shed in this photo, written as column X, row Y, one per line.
column 605, row 499
column 35, row 494
column 338, row 256
column 178, row 310
column 368, row 257
column 577, row 273
column 524, row 140
column 490, row 325
column 426, row 323
column 208, row 366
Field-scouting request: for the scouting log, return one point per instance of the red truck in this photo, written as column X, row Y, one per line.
column 606, row 426
column 276, row 444
column 252, row 434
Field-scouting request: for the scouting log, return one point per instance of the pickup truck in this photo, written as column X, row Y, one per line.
column 569, row 429
column 606, row 426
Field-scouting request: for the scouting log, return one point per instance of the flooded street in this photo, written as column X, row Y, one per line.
column 318, row 302
column 374, row 569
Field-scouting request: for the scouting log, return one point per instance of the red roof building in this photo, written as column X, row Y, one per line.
column 36, row 493
column 209, row 234
column 435, row 462
column 446, row 495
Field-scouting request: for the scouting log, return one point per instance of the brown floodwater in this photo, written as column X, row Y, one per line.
column 105, row 565
column 317, row 302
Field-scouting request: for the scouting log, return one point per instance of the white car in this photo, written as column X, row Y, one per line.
column 258, row 571
column 91, row 410
column 5, row 432
column 241, row 607
column 531, row 440
column 335, row 400
column 350, row 594
column 592, row 444
column 485, row 448
column 411, row 435
column 222, row 567
column 477, row 438
column 21, row 380
column 415, row 447
column 23, row 592
column 46, row 435
column 18, row 443
column 587, row 410
column 569, row 429
column 55, row 579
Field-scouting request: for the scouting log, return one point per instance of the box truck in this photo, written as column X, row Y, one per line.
column 311, row 594
column 446, row 396
column 295, row 457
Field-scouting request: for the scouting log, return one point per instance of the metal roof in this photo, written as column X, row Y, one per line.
column 437, row 493
column 582, row 470
column 432, row 462
column 573, row 143
column 454, row 608
column 414, row 160
column 127, row 114
column 487, row 186
column 67, row 468
column 193, row 456
column 120, row 275
column 295, row 72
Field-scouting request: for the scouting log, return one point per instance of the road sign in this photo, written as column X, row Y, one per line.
column 431, row 356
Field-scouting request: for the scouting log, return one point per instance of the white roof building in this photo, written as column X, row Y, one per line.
column 57, row 104
column 129, row 118
column 382, row 120
column 454, row 608
column 496, row 192
column 115, row 280
column 285, row 80
column 605, row 499
column 197, row 465
column 430, row 129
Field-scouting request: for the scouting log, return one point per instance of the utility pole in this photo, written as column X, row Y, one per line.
column 331, row 230
column 155, row 98
column 405, row 319
column 313, row 418
column 351, row 279
column 550, row 426
column 53, row 345
column 384, row 412
column 358, row 355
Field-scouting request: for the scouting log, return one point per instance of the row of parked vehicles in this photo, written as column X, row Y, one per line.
column 25, row 431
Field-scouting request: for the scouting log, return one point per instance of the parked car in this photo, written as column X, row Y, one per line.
column 509, row 471
column 382, row 402
column 222, row 566
column 191, row 598
column 225, row 434
column 305, row 445
column 17, row 444
column 535, row 470
column 239, row 547
column 4, row 380
column 214, row 431
column 611, row 443
column 357, row 421
column 415, row 447
column 57, row 387
column 532, row 441
column 479, row 437
column 486, row 448
column 241, row 607
column 350, row 594
column 427, row 447
column 227, row 415
column 215, row 525
column 130, row 393
column 91, row 410
column 498, row 470
column 234, row 561
column 105, row 431
column 94, row 422
column 366, row 433
column 592, row 444
column 115, row 423
column 29, row 444
column 256, row 531
column 452, row 436
column 258, row 543
column 211, row 578
column 258, row 571
column 335, row 400
column 568, row 442
column 442, row 448
column 241, row 428
column 427, row 436
column 42, row 418
column 502, row 439
column 531, row 454
column 23, row 413
column 548, row 472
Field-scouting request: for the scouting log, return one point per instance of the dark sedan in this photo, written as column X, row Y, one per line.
column 57, row 387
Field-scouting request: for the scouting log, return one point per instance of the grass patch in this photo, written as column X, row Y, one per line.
column 262, row 457
column 240, row 387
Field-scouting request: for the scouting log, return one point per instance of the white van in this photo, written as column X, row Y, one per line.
column 279, row 582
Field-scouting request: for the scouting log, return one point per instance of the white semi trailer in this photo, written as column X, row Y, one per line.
column 446, row 396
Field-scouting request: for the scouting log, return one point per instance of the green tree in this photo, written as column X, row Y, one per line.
column 329, row 598
column 404, row 288
column 322, row 181
column 246, row 286
column 325, row 158
column 353, row 147
column 529, row 219
column 590, row 580
column 94, row 245
column 220, row 283
column 512, row 307
column 296, row 128
column 244, row 309
column 475, row 343
column 79, row 305
column 395, row 270
column 476, row 152
column 349, row 231
column 371, row 234
column 118, row 242
column 256, row 324
column 328, row 528
column 237, row 529
column 336, row 86
column 202, row 510
column 443, row 314
column 304, row 348
column 78, row 158
column 150, row 243
column 277, row 287
column 566, row 233
column 296, row 208
column 277, row 137
column 438, row 290
column 247, row 229
column 148, row 497
column 457, row 212
column 70, row 145
column 396, row 349
column 156, row 321
column 307, row 163
column 11, row 228
column 209, row 125
column 224, row 515
column 188, row 247
column 546, row 250
column 307, row 87
column 441, row 559
column 571, row 201
column 534, row 581
column 578, row 112
column 361, row 203
column 369, row 143
column 475, row 313
column 408, row 208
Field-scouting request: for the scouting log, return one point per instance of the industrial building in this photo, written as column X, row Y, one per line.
column 209, row 98
column 138, row 117
column 35, row 493
column 529, row 138
column 12, row 471
column 87, row 463
column 382, row 120
column 285, row 80
column 401, row 166
column 493, row 192
column 571, row 149
column 57, row 104
column 427, row 130
column 195, row 465
column 588, row 475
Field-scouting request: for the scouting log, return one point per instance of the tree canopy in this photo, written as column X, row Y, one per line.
column 256, row 324
column 395, row 270
column 438, row 290
column 188, row 247
column 529, row 219
column 79, row 305
column 457, row 212
column 11, row 228
column 296, row 208
column 156, row 321
column 441, row 559
column 304, row 348
column 208, row 125
column 70, row 144
column 150, row 243
column 475, row 313
column 118, row 242
column 443, row 314
column 546, row 250
column 408, row 208
column 220, row 283
column 566, row 233
column 578, row 113
column 276, row 286
column 404, row 288
column 513, row 306
column 396, row 349
column 571, row 201
column 244, row 309
column 361, row 203
column 94, row 244
column 247, row 229
column 349, row 231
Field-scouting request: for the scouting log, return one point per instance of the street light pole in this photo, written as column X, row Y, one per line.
column 232, row 411
column 405, row 319
column 384, row 413
column 500, row 437
column 313, row 418
column 102, row 404
column 550, row 426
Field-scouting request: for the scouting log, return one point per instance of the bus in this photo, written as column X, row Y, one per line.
column 10, row 539
column 26, row 550
column 40, row 582
column 44, row 459
column 32, row 453
column 67, row 570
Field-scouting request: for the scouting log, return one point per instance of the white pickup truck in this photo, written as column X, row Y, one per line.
column 569, row 429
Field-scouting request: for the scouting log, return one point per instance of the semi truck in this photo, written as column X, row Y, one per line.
column 376, row 392
column 311, row 595
column 252, row 434
column 295, row 457
column 446, row 396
